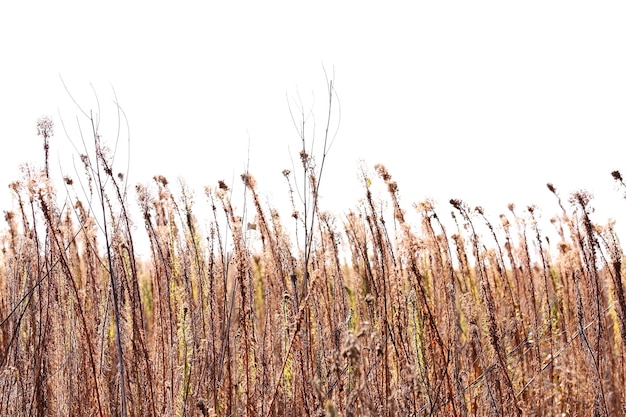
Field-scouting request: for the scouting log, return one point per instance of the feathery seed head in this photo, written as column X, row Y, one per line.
column 45, row 127
column 581, row 197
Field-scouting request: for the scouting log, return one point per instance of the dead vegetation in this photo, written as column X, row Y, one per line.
column 367, row 315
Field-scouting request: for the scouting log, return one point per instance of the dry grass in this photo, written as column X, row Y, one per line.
column 485, row 320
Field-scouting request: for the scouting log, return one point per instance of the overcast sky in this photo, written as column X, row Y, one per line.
column 483, row 101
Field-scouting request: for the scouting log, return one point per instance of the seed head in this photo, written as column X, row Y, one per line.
column 617, row 176
column 161, row 179
column 456, row 203
column 45, row 127
column 222, row 185
column 248, row 181
column 382, row 171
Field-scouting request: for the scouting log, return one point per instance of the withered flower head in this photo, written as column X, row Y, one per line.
column 581, row 197
column 222, row 185
column 45, row 127
column 248, row 181
column 456, row 203
column 161, row 179
column 382, row 171
column 617, row 176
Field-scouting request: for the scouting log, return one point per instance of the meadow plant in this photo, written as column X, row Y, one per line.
column 366, row 314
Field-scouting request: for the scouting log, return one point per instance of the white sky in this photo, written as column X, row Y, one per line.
column 483, row 101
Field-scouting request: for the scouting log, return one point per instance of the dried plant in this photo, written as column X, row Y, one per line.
column 365, row 314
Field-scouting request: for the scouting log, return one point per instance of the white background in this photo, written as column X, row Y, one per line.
column 483, row 101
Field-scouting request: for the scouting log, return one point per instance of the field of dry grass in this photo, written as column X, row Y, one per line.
column 252, row 319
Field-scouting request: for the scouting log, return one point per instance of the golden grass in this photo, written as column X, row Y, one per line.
column 488, row 319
